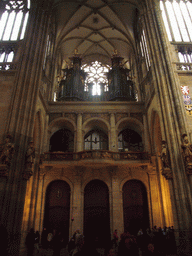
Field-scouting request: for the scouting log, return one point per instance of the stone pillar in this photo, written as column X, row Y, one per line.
column 146, row 135
column 21, row 118
column 77, row 202
column 116, row 216
column 113, row 136
column 167, row 88
column 38, row 225
column 79, row 142
column 156, row 209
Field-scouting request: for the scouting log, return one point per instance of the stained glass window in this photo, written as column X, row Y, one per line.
column 96, row 76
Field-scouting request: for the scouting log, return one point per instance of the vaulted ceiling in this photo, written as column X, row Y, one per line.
column 96, row 28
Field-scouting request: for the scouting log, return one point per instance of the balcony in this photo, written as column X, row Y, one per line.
column 94, row 157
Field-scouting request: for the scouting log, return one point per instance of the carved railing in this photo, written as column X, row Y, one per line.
column 185, row 48
column 8, row 66
column 7, row 47
column 183, row 66
column 94, row 154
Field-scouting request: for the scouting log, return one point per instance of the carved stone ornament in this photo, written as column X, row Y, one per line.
column 131, row 156
column 7, row 151
column 29, row 160
column 166, row 170
column 188, row 169
column 165, row 155
column 167, row 173
column 187, row 154
column 30, row 155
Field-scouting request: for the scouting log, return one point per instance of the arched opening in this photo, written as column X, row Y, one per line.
column 135, row 206
column 62, row 140
column 129, row 140
column 96, row 212
column 57, row 208
column 95, row 140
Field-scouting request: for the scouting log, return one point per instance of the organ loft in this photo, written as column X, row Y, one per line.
column 95, row 118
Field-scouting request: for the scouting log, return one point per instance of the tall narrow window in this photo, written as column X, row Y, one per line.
column 13, row 21
column 47, row 51
column 144, row 50
column 177, row 17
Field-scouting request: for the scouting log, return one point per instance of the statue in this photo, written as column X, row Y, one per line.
column 187, row 149
column 164, row 155
column 7, row 151
column 29, row 159
column 30, row 154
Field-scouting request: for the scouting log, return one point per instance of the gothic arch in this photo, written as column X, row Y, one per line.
column 60, row 123
column 96, row 177
column 51, row 179
column 142, row 179
column 132, row 123
column 94, row 122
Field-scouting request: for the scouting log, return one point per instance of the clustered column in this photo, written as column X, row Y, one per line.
column 79, row 143
column 113, row 137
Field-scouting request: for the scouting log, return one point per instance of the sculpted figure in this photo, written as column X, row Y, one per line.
column 30, row 153
column 187, row 149
column 164, row 155
column 7, row 151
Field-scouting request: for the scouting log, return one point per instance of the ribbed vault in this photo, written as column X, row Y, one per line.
column 96, row 28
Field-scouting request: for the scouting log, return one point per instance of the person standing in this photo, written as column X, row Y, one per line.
column 37, row 237
column 57, row 243
column 115, row 239
column 4, row 240
column 30, row 241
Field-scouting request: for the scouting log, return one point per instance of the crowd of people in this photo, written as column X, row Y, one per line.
column 149, row 242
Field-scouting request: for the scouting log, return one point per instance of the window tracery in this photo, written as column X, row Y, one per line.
column 13, row 21
column 96, row 77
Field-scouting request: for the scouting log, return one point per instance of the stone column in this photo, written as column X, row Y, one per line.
column 113, row 136
column 116, row 202
column 146, row 138
column 38, row 225
column 156, row 209
column 79, row 142
column 77, row 203
column 21, row 118
column 167, row 89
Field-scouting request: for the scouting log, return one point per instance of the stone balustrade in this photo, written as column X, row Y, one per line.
column 95, row 154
